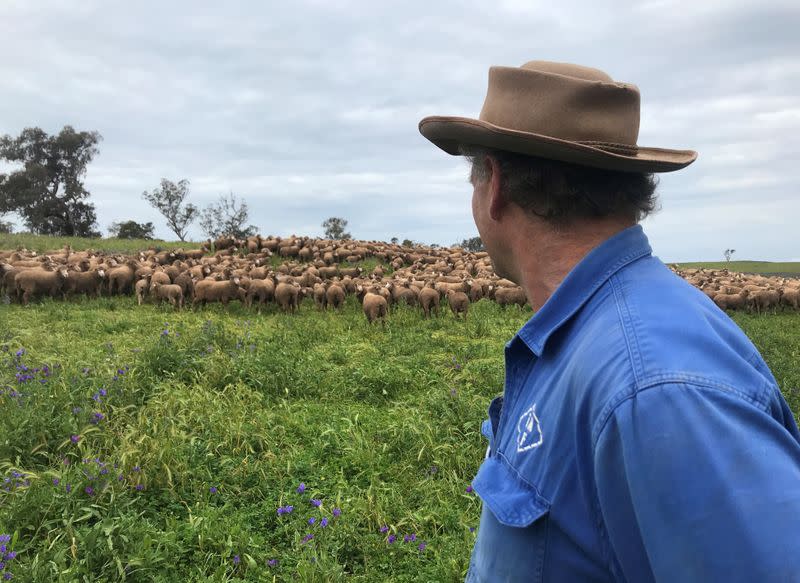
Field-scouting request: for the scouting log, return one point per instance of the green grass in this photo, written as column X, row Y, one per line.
column 43, row 244
column 787, row 267
column 382, row 423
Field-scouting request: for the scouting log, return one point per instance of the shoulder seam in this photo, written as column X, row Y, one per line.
column 660, row 381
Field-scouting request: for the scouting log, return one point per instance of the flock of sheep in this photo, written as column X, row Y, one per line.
column 738, row 291
column 287, row 270
column 261, row 270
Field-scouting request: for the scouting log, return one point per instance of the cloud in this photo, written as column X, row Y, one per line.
column 311, row 109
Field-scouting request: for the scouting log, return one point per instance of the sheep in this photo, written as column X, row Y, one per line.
column 122, row 278
column 790, row 297
column 510, row 295
column 765, row 299
column 160, row 277
column 263, row 289
column 217, row 291
column 374, row 305
column 459, row 302
column 84, row 282
column 732, row 301
column 39, row 281
column 142, row 286
column 184, row 279
column 286, row 294
column 335, row 296
column 168, row 291
column 320, row 296
column 429, row 300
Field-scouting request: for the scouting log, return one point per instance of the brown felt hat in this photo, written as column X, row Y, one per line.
column 561, row 112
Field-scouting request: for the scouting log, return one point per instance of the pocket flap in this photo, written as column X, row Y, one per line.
column 513, row 501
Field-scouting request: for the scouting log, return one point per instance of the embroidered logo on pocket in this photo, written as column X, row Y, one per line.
column 529, row 431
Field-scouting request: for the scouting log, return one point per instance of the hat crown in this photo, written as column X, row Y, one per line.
column 564, row 101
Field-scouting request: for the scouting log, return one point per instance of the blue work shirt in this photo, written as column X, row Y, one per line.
column 640, row 437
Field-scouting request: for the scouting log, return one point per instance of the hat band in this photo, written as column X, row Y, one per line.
column 624, row 149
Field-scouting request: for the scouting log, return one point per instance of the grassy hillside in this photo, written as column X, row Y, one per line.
column 42, row 244
column 159, row 446
column 787, row 267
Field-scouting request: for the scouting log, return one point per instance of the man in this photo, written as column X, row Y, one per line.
column 640, row 436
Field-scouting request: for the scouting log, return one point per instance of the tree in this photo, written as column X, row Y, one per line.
column 131, row 230
column 407, row 243
column 169, row 201
column 335, row 228
column 48, row 191
column 394, row 240
column 472, row 244
column 226, row 217
column 728, row 253
column 6, row 227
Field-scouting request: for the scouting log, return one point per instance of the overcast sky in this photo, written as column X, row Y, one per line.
column 310, row 109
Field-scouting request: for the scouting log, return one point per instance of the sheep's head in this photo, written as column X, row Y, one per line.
column 101, row 273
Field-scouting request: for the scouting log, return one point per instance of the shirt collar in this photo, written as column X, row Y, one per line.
column 582, row 282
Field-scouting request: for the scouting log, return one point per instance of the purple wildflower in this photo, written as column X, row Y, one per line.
column 139, row 487
column 272, row 563
column 89, row 490
column 288, row 509
column 307, row 538
column 55, row 481
column 384, row 528
column 312, row 520
column 472, row 529
column 75, row 438
column 11, row 556
column 391, row 539
column 102, row 392
column 76, row 410
column 469, row 489
column 315, row 502
column 68, row 488
column 301, row 488
column 337, row 512
column 421, row 547
column 323, row 523
column 136, row 468
column 212, row 489
column 8, row 576
column 20, row 352
column 236, row 559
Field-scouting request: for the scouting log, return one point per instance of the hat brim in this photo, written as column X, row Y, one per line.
column 449, row 133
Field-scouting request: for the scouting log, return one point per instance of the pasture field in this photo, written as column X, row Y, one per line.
column 142, row 444
column 42, row 244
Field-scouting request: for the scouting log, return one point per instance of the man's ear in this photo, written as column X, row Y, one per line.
column 497, row 202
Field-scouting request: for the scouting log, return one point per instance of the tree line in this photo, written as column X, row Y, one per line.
column 46, row 190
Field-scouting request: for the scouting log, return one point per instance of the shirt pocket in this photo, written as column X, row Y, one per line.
column 512, row 537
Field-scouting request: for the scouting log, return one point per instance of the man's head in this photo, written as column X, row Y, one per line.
column 515, row 195
column 554, row 152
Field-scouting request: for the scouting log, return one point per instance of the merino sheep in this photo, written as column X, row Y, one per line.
column 791, row 298
column 168, row 291
column 736, row 301
column 335, row 295
column 510, row 295
column 429, row 300
column 320, row 297
column 38, row 281
column 375, row 306
column 459, row 302
column 142, row 286
column 263, row 289
column 217, row 291
column 84, row 282
column 286, row 295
